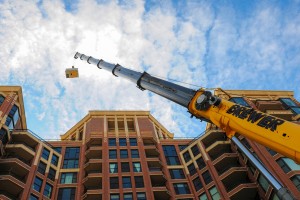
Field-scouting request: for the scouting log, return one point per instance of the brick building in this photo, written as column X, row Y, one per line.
column 130, row 155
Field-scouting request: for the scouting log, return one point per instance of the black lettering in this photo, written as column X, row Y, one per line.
column 273, row 125
column 245, row 113
column 254, row 116
column 264, row 122
column 236, row 113
column 232, row 109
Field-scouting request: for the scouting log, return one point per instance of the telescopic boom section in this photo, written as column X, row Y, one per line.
column 144, row 81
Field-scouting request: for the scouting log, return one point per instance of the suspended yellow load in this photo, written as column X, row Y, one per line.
column 72, row 72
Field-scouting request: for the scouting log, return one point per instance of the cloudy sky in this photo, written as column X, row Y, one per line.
column 249, row 44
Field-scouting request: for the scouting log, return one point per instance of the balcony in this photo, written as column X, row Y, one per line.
column 148, row 142
column 11, row 185
column 20, row 169
column 226, row 162
column 147, row 134
column 94, row 152
column 154, row 164
column 151, row 152
column 26, row 138
column 218, row 149
column 93, row 181
column 284, row 114
column 248, row 190
column 234, row 178
column 213, row 137
column 21, row 151
column 92, row 193
column 93, row 165
column 94, row 140
column 161, row 193
column 269, row 105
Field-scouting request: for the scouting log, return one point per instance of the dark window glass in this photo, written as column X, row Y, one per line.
column 200, row 162
column 1, row 99
column 113, row 168
column 182, row 147
column 187, row 156
column 197, row 184
column 207, row 178
column 177, row 174
column 288, row 102
column 33, row 197
column 12, row 117
column 51, row 174
column 246, row 143
column 128, row 196
column 125, row 167
column 133, row 142
column 48, row 190
column 195, row 150
column 112, row 154
column 122, row 142
column 134, row 153
column 181, row 188
column 203, row 196
column 69, row 177
column 114, row 197
column 66, row 194
column 3, row 136
column 214, row 193
column 71, row 157
column 112, row 142
column 239, row 100
column 9, row 123
column 273, row 153
column 296, row 180
column 141, row 196
column 283, row 165
column 57, row 149
column 37, row 184
column 123, row 153
column 137, row 167
column 296, row 110
column 114, row 182
column 192, row 169
column 171, row 155
column 263, row 182
column 139, row 182
column 126, row 182
column 42, row 167
column 45, row 153
column 54, row 159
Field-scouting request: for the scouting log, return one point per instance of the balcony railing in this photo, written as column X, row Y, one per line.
column 155, row 169
column 20, row 178
column 5, row 193
column 18, row 157
column 35, row 135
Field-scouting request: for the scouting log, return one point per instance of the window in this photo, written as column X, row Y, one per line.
column 187, row 156
column 125, row 167
column 48, row 190
column 139, row 182
column 130, row 125
column 181, row 188
column 263, row 182
column 273, row 153
column 133, row 142
column 67, row 178
column 126, row 182
column 287, row 164
column 200, row 162
column 66, row 194
column 114, row 197
column 192, row 169
column 203, row 197
column 42, row 167
column 246, row 143
column 239, row 100
column 137, row 167
column 171, row 155
column 182, row 147
column 112, row 154
column 3, row 136
column 296, row 180
column 207, row 178
column 71, row 157
column 45, row 154
column 57, row 149
column 176, row 173
column 12, row 117
column 290, row 104
column 111, row 124
column 195, row 150
column 141, row 196
column 197, row 184
column 134, row 153
column 113, row 168
column 112, row 142
column 128, row 196
column 214, row 193
column 37, row 184
column 1, row 99
column 123, row 153
column 121, row 125
column 33, row 197
column 54, row 159
column 51, row 174
column 122, row 142
column 114, row 182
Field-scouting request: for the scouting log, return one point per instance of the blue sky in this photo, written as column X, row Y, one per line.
column 228, row 44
